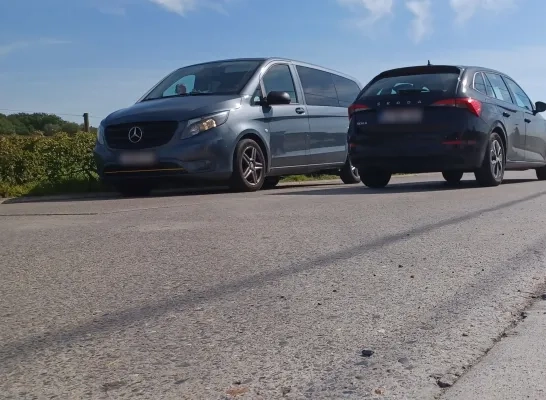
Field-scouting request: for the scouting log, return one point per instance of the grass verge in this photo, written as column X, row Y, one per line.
column 85, row 185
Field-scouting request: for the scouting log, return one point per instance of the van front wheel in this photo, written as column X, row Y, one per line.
column 248, row 167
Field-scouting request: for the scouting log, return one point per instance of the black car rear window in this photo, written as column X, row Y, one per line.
column 441, row 82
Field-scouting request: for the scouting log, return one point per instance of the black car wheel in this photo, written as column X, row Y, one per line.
column 349, row 173
column 375, row 179
column 248, row 167
column 541, row 173
column 491, row 173
column 271, row 181
column 452, row 177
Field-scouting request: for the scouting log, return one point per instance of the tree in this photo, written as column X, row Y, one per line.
column 28, row 124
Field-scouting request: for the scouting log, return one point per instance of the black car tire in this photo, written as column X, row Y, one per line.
column 349, row 174
column 452, row 177
column 375, row 179
column 248, row 167
column 541, row 173
column 491, row 173
column 271, row 181
column 134, row 189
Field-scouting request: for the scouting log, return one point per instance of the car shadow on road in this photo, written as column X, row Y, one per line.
column 163, row 193
column 412, row 187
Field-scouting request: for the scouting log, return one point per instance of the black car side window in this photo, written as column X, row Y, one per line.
column 521, row 98
column 279, row 79
column 488, row 87
column 479, row 83
column 499, row 87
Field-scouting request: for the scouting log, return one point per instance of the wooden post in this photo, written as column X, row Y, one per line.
column 86, row 122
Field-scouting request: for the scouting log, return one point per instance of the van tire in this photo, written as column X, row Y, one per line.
column 249, row 167
column 349, row 174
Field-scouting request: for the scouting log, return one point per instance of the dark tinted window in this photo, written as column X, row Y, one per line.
column 347, row 90
column 521, row 98
column 479, row 83
column 279, row 78
column 445, row 83
column 226, row 77
column 499, row 87
column 488, row 87
column 318, row 87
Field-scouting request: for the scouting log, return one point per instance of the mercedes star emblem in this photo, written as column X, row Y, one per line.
column 135, row 134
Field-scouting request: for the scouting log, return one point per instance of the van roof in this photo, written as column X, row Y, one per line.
column 269, row 59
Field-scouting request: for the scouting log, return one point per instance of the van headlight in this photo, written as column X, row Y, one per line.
column 100, row 134
column 203, row 124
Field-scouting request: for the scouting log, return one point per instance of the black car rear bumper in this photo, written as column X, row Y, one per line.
column 459, row 157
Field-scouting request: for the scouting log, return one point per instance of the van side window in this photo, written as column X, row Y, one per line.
column 499, row 87
column 279, row 78
column 256, row 96
column 318, row 87
column 347, row 90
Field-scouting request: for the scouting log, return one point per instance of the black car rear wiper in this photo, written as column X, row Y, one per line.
column 409, row 91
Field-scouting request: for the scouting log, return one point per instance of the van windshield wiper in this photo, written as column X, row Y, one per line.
column 182, row 95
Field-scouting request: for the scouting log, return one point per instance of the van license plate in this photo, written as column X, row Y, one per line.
column 134, row 158
column 401, row 116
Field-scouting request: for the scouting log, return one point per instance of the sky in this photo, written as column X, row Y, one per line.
column 73, row 56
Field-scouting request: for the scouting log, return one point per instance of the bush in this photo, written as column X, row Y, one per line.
column 26, row 160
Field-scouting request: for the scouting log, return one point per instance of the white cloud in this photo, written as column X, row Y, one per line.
column 177, row 6
column 422, row 21
column 21, row 44
column 466, row 9
column 375, row 9
column 182, row 7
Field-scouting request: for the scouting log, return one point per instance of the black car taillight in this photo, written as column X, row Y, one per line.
column 472, row 105
column 353, row 108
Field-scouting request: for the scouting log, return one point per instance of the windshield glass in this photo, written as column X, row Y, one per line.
column 214, row 78
column 419, row 83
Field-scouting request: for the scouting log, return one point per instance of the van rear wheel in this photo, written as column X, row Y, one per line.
column 349, row 173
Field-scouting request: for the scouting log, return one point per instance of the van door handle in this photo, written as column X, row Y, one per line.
column 506, row 114
column 300, row 110
column 527, row 120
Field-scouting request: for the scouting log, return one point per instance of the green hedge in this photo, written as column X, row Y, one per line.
column 35, row 161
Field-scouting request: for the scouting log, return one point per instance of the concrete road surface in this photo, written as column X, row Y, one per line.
column 267, row 295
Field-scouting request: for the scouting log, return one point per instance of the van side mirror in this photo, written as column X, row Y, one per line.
column 540, row 107
column 277, row 98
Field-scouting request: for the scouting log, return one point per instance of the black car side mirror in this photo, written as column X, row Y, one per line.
column 540, row 107
column 274, row 98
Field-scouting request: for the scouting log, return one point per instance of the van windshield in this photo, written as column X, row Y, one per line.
column 215, row 78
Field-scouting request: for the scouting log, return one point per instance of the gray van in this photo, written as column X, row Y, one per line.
column 246, row 122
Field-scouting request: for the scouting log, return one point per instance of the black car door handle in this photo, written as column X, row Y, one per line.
column 300, row 110
column 527, row 120
column 506, row 114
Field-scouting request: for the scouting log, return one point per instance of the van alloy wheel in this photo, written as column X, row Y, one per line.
column 252, row 164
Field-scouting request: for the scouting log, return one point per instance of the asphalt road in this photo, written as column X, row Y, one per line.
column 265, row 295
